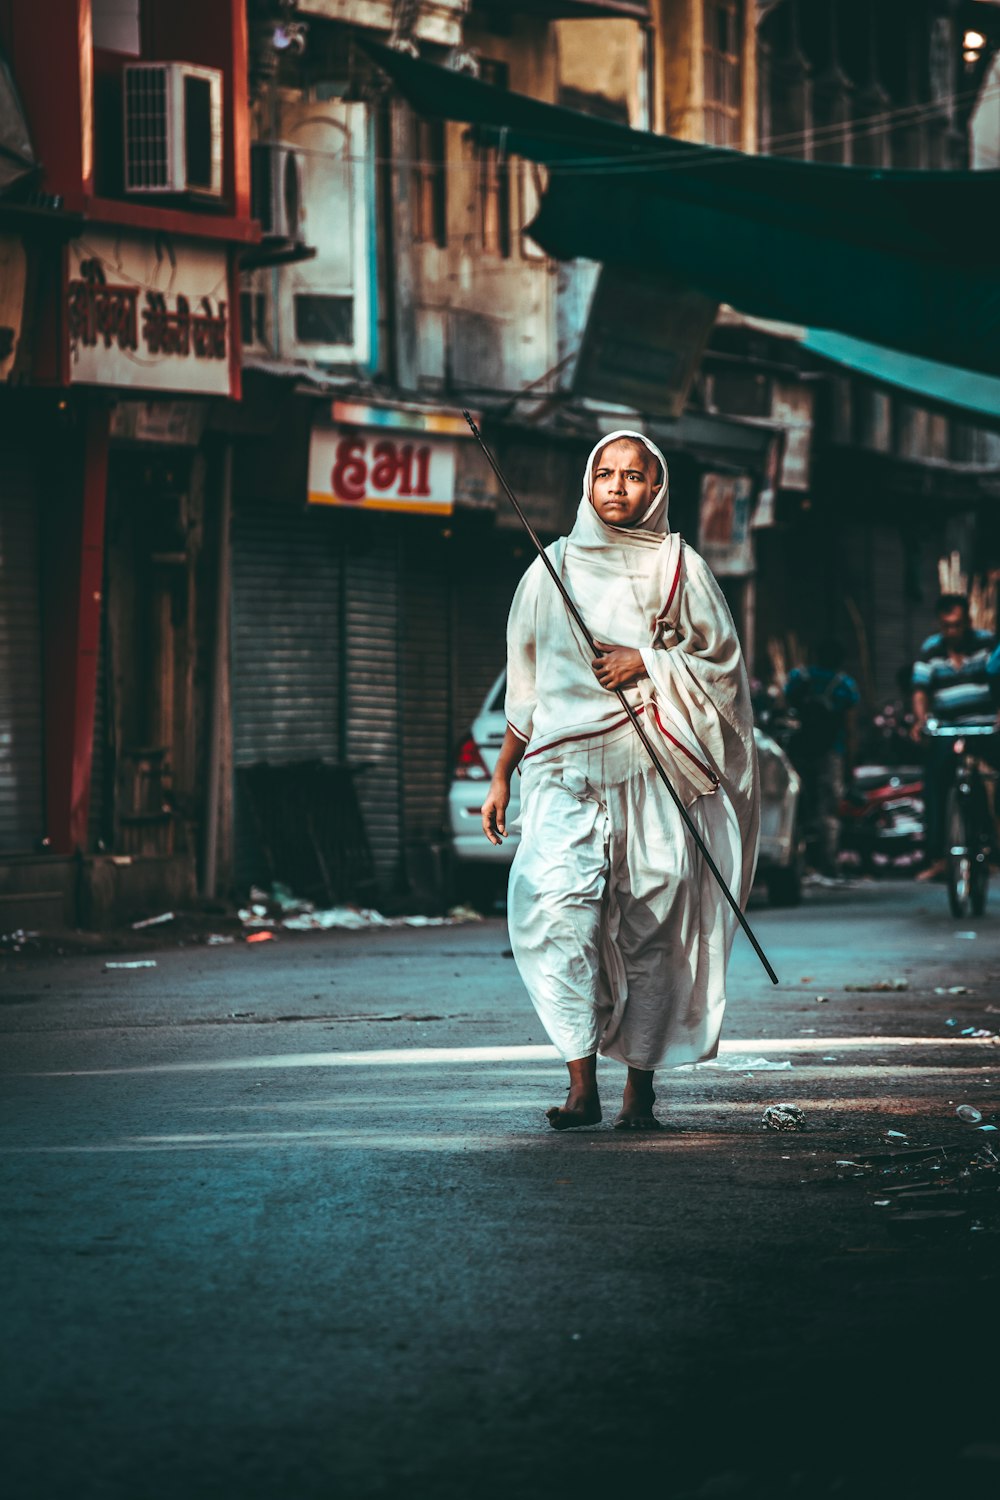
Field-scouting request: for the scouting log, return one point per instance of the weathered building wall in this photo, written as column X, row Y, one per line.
column 481, row 297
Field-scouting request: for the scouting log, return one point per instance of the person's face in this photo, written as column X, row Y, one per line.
column 954, row 624
column 623, row 482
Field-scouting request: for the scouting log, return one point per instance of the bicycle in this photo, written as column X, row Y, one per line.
column 968, row 819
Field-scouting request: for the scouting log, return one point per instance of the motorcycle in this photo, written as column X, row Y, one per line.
column 882, row 818
column 882, row 810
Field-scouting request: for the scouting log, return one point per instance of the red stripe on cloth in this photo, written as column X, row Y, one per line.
column 673, row 589
column 705, row 770
column 591, row 734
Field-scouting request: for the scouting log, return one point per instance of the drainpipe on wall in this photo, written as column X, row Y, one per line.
column 220, row 666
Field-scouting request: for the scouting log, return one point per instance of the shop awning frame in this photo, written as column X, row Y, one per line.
column 900, row 259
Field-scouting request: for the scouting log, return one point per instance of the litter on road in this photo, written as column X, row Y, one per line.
column 880, row 986
column 132, row 963
column 783, row 1117
column 165, row 916
column 738, row 1064
column 969, row 1114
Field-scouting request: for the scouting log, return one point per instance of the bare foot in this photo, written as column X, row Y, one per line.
column 933, row 870
column 637, row 1103
column 579, row 1109
column 582, row 1107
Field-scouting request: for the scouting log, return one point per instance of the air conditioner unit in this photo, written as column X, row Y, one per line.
column 276, row 190
column 173, row 129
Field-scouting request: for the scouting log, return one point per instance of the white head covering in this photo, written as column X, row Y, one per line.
column 654, row 521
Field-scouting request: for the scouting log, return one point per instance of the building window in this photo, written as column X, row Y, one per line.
column 494, row 181
column 723, row 88
column 323, row 319
column 253, row 318
column 430, row 184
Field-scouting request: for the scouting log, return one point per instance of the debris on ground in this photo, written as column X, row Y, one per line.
column 215, row 938
column 282, row 908
column 783, row 1117
column 930, row 1190
column 879, row 986
column 17, row 939
column 969, row 1114
column 132, row 963
column 822, row 999
column 953, row 989
column 165, row 916
column 738, row 1065
column 261, row 937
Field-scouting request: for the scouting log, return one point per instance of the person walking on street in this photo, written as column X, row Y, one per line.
column 824, row 700
column 620, row 933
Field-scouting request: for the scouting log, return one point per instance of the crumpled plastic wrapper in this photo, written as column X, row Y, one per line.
column 783, row 1117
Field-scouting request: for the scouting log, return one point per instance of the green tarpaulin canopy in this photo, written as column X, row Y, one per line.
column 904, row 259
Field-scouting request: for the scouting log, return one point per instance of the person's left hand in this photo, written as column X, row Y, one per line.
column 617, row 666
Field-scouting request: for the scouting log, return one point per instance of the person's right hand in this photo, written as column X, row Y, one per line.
column 917, row 730
column 495, row 808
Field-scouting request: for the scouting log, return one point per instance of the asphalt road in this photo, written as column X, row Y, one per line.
column 284, row 1222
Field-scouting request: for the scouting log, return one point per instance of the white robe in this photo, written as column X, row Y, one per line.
column 619, row 930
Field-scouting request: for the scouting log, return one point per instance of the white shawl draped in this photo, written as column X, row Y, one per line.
column 641, row 587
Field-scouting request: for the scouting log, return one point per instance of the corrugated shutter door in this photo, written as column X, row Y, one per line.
column 285, row 651
column 102, row 753
column 482, row 606
column 425, row 692
column 373, row 730
column 285, row 636
column 21, row 745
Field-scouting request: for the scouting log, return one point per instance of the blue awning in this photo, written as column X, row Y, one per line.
column 924, row 378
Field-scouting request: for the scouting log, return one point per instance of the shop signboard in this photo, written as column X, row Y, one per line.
column 147, row 312
column 724, row 536
column 382, row 468
column 792, row 406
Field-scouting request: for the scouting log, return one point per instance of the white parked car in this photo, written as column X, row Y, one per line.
column 480, row 868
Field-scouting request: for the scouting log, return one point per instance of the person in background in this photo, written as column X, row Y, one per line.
column 824, row 700
column 951, row 683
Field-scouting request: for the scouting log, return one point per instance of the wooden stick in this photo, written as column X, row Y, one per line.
column 630, row 711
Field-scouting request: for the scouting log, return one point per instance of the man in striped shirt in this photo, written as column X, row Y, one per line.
column 951, row 683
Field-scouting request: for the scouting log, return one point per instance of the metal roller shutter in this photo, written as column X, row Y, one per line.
column 101, row 795
column 21, row 744
column 286, row 678
column 482, row 604
column 425, row 691
column 373, row 733
column 285, row 636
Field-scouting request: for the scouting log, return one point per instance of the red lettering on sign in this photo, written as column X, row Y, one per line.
column 350, row 471
column 386, row 465
column 423, row 471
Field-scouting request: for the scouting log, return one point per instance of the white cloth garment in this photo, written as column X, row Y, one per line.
column 618, row 927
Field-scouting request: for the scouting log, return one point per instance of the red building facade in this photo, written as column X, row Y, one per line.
column 121, row 240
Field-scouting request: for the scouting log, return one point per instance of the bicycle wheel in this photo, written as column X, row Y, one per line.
column 981, row 845
column 961, row 855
